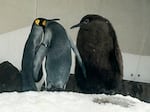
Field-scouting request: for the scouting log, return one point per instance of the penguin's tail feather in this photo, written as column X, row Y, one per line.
column 75, row 50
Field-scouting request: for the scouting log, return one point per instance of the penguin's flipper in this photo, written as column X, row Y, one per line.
column 74, row 48
column 119, row 60
column 116, row 57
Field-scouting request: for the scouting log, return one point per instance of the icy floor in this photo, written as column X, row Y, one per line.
column 69, row 102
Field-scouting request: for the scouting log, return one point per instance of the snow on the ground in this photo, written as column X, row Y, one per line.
column 69, row 102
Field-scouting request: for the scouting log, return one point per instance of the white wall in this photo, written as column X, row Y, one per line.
column 136, row 67
column 12, row 45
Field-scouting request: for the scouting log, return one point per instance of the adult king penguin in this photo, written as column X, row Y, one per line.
column 30, row 49
column 98, row 46
column 49, row 40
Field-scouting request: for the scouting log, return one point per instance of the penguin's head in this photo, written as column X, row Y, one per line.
column 89, row 19
column 40, row 22
column 43, row 22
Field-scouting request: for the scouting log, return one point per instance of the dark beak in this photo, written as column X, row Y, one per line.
column 56, row 19
column 74, row 26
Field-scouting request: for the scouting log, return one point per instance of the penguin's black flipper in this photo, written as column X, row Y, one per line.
column 116, row 57
column 74, row 48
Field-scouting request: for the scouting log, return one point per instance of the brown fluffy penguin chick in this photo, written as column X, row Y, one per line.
column 100, row 52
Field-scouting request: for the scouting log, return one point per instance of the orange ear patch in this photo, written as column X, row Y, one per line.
column 44, row 23
column 37, row 21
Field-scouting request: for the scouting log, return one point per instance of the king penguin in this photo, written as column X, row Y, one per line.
column 99, row 49
column 30, row 49
column 56, row 47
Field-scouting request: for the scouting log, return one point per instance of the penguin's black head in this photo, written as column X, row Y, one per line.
column 86, row 20
column 43, row 22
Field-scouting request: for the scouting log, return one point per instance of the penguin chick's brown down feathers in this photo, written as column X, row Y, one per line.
column 100, row 52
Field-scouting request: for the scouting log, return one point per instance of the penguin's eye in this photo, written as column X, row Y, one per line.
column 37, row 21
column 86, row 21
column 106, row 21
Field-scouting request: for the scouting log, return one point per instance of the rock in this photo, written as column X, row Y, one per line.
column 136, row 89
column 10, row 78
